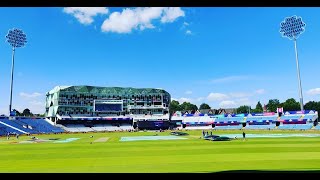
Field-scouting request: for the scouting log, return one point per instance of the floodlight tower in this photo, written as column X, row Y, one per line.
column 16, row 38
column 291, row 28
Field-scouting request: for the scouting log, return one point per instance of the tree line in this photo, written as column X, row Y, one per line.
column 289, row 105
column 27, row 113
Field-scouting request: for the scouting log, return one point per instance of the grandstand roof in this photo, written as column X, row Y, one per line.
column 57, row 88
column 107, row 90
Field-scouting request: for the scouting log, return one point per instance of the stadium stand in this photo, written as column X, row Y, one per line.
column 294, row 120
column 22, row 125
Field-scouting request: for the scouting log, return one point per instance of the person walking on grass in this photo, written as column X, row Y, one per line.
column 244, row 135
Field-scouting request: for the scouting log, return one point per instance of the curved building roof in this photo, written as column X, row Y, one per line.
column 107, row 90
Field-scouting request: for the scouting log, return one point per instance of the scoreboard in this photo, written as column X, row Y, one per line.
column 108, row 105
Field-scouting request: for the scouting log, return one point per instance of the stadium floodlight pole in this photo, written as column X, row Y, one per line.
column 16, row 38
column 291, row 28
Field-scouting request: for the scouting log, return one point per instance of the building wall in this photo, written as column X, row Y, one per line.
column 78, row 100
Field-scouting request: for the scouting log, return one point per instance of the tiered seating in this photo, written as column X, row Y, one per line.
column 235, row 119
column 40, row 125
column 20, row 126
column 96, row 127
column 291, row 117
column 261, row 118
column 304, row 126
column 287, row 126
column 126, row 127
column 99, row 128
column 309, row 116
column 6, row 129
column 229, row 127
column 73, row 127
column 198, row 127
column 269, row 118
column 271, row 126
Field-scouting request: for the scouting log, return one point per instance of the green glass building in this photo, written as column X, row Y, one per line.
column 104, row 101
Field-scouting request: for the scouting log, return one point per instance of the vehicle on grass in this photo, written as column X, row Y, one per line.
column 217, row 138
column 179, row 133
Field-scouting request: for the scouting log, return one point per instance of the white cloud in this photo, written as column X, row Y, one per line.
column 128, row 19
column 35, row 106
column 314, row 91
column 188, row 92
column 188, row 32
column 229, row 79
column 139, row 18
column 171, row 14
column 185, row 24
column 227, row 104
column 85, row 15
column 217, row 97
column 183, row 99
column 260, row 91
column 32, row 95
column 244, row 102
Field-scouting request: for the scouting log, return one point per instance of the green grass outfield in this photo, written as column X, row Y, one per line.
column 190, row 155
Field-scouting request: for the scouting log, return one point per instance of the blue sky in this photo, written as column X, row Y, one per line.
column 225, row 57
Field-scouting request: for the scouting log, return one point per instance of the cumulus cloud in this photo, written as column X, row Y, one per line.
column 139, row 18
column 183, row 99
column 217, row 97
column 188, row 92
column 227, row 104
column 32, row 95
column 314, row 91
column 35, row 106
column 244, row 102
column 188, row 32
column 85, row 15
column 171, row 14
column 260, row 91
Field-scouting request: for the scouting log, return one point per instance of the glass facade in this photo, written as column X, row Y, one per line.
column 79, row 100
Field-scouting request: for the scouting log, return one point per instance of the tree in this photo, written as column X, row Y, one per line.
column 259, row 107
column 204, row 106
column 17, row 112
column 272, row 105
column 312, row 105
column 187, row 106
column 243, row 109
column 27, row 112
column 291, row 105
column 174, row 106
